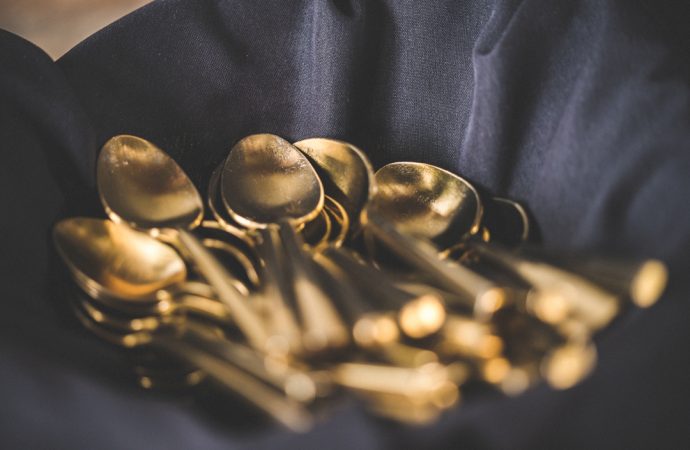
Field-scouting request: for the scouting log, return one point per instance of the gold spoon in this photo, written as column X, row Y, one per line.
column 267, row 183
column 358, row 188
column 105, row 256
column 341, row 223
column 294, row 382
column 128, row 270
column 642, row 280
column 142, row 186
column 319, row 228
column 581, row 300
column 418, row 316
column 274, row 287
column 345, row 170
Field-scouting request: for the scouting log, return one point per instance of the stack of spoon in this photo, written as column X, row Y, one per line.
column 310, row 275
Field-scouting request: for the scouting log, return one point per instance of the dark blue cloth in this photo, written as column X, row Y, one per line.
column 580, row 109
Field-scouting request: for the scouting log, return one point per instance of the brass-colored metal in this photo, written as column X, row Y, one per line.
column 401, row 409
column 559, row 294
column 346, row 171
column 427, row 201
column 170, row 382
column 142, row 186
column 322, row 326
column 236, row 254
column 265, row 179
column 274, row 288
column 403, row 355
column 649, row 283
column 247, row 320
column 129, row 271
column 268, row 182
column 117, row 258
column 376, row 330
column 340, row 220
column 418, row 316
column 287, row 412
column 276, row 292
column 642, row 280
column 429, row 383
column 352, row 183
column 125, row 324
column 218, row 210
column 568, row 364
column 469, row 338
column 316, row 232
column 460, row 306
column 479, row 293
column 506, row 220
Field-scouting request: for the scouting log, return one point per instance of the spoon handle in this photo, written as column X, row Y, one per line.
column 286, row 412
column 643, row 280
column 586, row 302
column 323, row 327
column 276, row 289
column 382, row 294
column 481, row 294
column 295, row 382
column 219, row 278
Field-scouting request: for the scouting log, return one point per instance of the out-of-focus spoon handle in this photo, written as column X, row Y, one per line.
column 482, row 295
column 286, row 412
column 583, row 300
column 218, row 277
column 322, row 326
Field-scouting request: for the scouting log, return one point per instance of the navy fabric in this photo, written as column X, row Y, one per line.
column 580, row 109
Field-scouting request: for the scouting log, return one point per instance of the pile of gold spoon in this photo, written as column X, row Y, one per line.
column 310, row 276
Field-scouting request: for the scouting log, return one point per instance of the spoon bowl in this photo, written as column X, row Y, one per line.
column 265, row 180
column 119, row 259
column 427, row 201
column 345, row 170
column 141, row 185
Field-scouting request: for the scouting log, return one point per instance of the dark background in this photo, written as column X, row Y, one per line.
column 579, row 109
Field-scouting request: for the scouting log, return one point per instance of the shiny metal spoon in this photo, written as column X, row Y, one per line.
column 268, row 183
column 429, row 202
column 142, row 186
column 128, row 270
column 345, row 170
column 99, row 257
column 581, row 300
column 274, row 287
column 358, row 187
